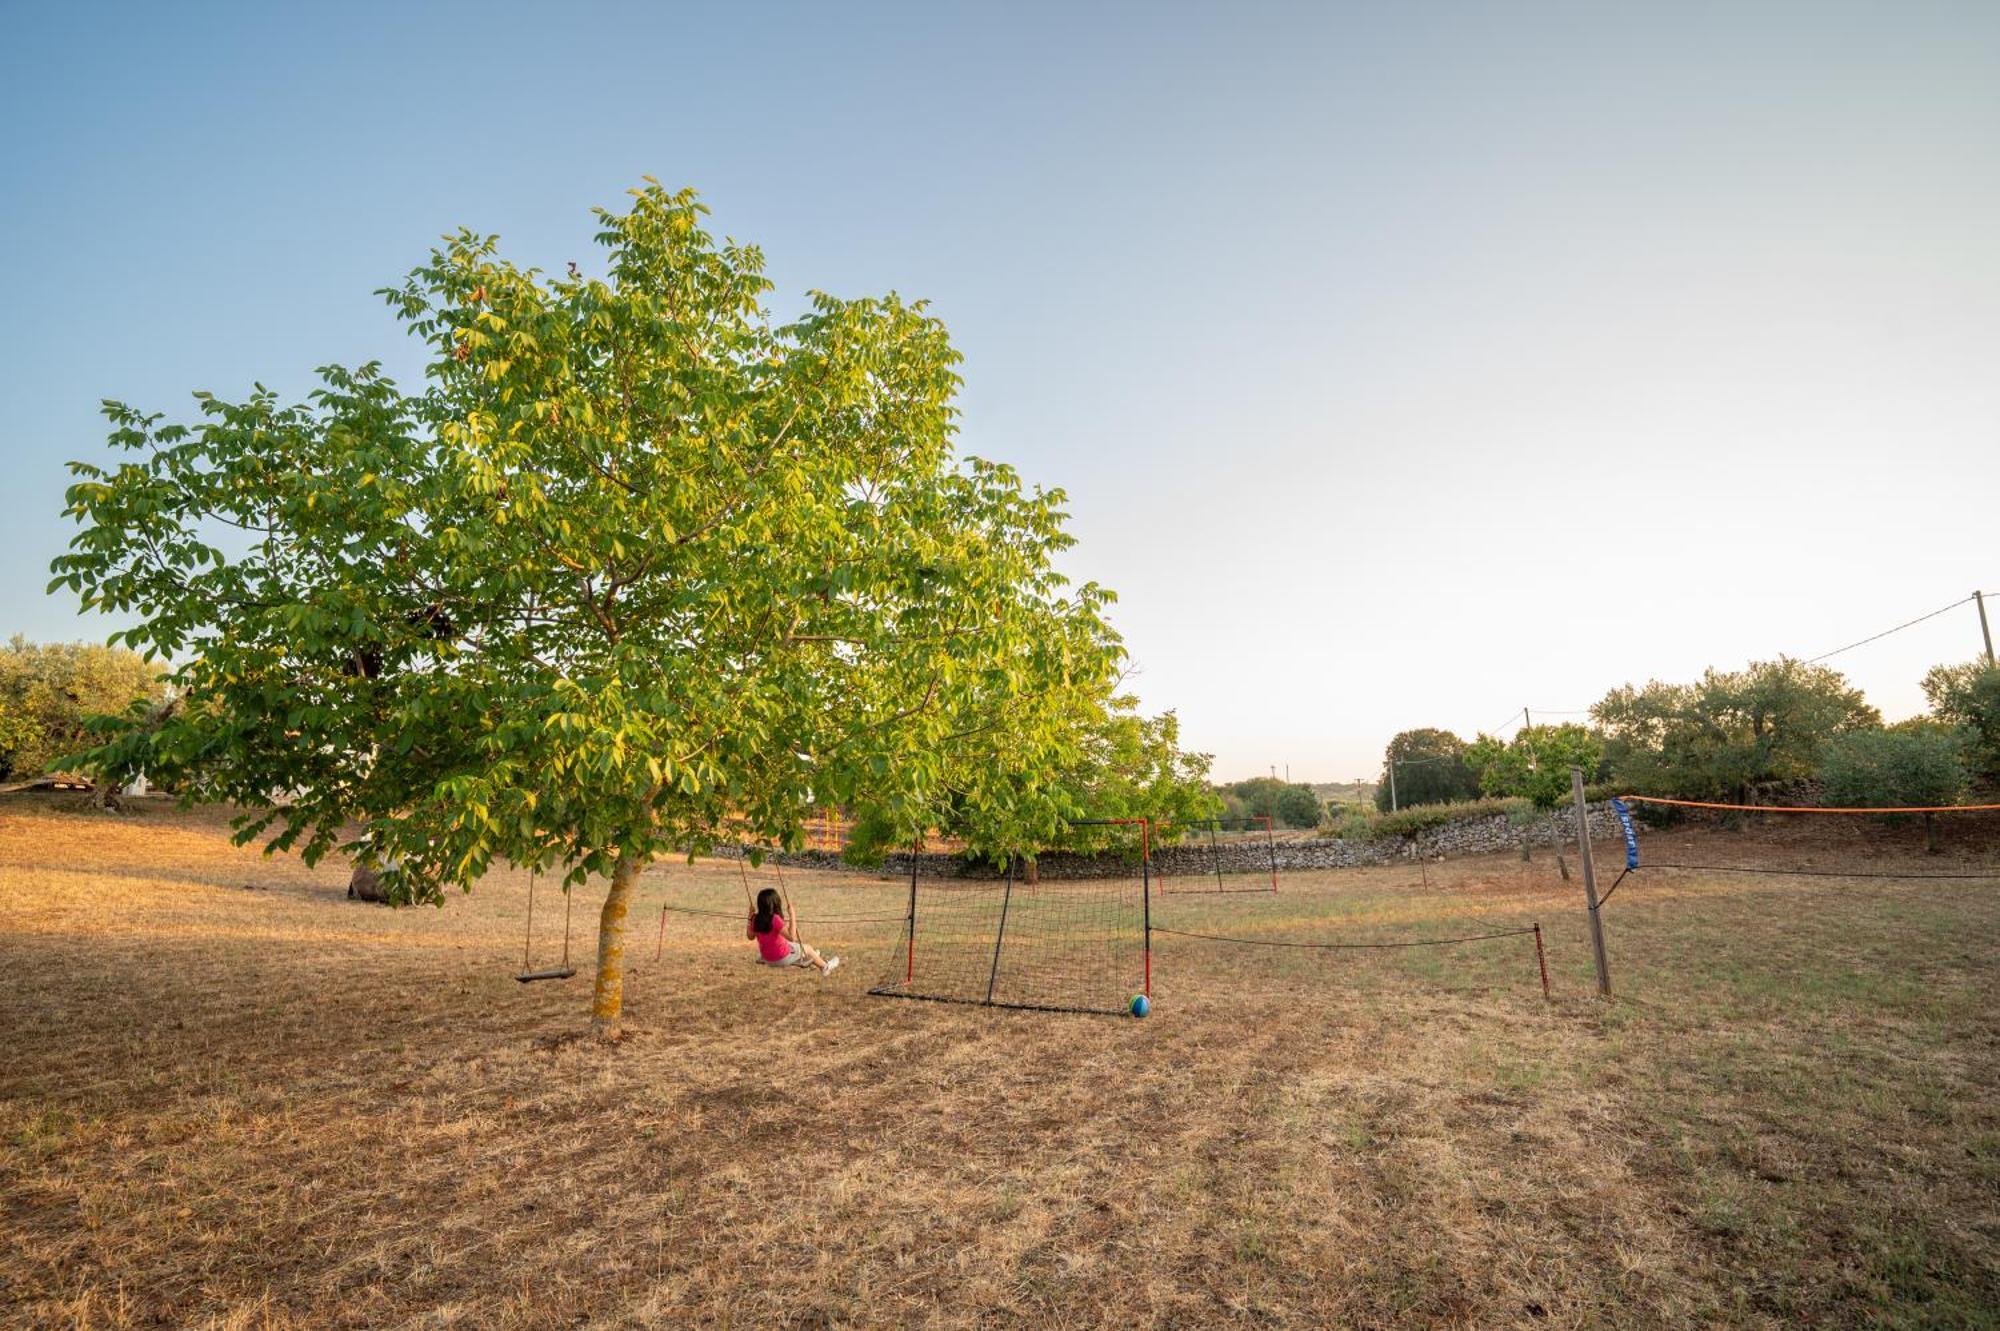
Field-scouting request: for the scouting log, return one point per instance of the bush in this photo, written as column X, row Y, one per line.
column 1910, row 766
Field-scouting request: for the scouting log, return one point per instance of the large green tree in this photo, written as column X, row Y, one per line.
column 1968, row 697
column 1731, row 731
column 49, row 693
column 1430, row 768
column 638, row 570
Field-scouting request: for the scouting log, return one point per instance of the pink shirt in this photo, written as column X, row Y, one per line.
column 773, row 946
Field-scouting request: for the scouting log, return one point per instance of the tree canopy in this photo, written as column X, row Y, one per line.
column 1968, row 698
column 1127, row 766
column 50, row 692
column 1731, row 731
column 1430, row 769
column 1535, row 764
column 639, row 569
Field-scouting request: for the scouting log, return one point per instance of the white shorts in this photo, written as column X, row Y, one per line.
column 796, row 957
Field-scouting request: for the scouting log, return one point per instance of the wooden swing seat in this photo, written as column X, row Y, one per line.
column 556, row 973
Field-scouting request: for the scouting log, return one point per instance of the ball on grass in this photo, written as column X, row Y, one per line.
column 1140, row 1005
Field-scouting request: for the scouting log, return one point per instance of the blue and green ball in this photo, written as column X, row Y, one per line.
column 1139, row 1006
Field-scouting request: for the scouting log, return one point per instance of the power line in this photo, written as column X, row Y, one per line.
column 1873, row 637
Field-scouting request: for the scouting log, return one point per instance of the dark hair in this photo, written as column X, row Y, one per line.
column 767, row 906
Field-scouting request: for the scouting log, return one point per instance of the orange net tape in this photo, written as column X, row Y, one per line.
column 1808, row 808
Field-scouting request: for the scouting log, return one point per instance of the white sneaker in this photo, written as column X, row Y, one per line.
column 831, row 962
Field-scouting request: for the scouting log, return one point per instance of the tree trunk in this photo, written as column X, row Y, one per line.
column 1556, row 831
column 1930, row 834
column 609, row 1000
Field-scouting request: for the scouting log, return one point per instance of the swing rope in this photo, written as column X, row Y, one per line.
column 565, row 970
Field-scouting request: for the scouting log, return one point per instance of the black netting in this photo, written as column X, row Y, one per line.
column 1837, row 847
column 1215, row 855
column 1024, row 938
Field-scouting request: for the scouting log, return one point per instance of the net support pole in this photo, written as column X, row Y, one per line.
column 1146, row 901
column 1985, row 629
column 528, row 943
column 1271, row 846
column 1000, row 934
column 1215, row 851
column 910, row 930
column 568, row 896
column 1590, row 883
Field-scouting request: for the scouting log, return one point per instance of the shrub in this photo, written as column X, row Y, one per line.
column 1907, row 766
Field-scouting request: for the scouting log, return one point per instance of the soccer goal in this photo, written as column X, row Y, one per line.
column 1216, row 855
column 1075, row 939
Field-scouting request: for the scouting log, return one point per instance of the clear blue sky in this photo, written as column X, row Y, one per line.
column 1405, row 364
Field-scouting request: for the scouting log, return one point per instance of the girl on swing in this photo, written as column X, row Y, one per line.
column 777, row 941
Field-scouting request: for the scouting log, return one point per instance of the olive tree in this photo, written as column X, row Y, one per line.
column 1730, row 732
column 50, row 693
column 1916, row 765
column 1968, row 697
column 639, row 569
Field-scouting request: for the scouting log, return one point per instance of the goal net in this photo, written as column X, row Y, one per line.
column 1216, row 855
column 1069, row 934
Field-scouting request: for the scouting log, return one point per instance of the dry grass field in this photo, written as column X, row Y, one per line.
column 231, row 1098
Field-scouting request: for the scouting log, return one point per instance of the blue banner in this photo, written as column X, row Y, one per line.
column 1631, row 833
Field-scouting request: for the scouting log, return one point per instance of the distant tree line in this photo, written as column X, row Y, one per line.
column 1743, row 736
column 1286, row 804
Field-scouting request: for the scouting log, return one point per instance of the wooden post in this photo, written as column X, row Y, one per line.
column 1590, row 883
column 1985, row 630
column 1392, row 783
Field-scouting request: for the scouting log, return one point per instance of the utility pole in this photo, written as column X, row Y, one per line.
column 1985, row 630
column 1392, row 783
column 1525, row 722
column 1590, row 882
